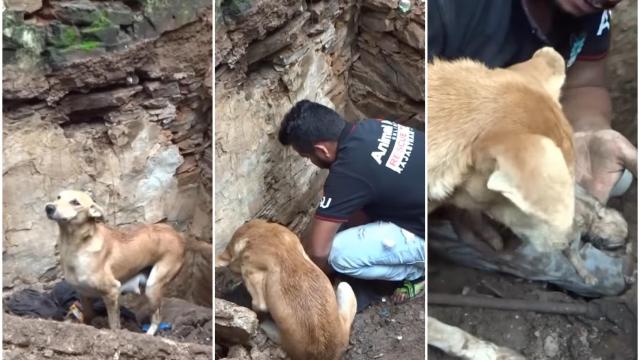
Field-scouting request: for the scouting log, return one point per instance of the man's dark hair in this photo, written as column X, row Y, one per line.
column 307, row 123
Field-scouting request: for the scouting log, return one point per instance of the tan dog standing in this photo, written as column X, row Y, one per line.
column 313, row 321
column 500, row 143
column 99, row 261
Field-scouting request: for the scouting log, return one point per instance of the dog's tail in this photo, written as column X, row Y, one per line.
column 347, row 306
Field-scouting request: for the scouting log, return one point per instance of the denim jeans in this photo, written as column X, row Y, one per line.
column 378, row 251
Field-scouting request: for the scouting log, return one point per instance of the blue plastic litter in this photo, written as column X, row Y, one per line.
column 161, row 326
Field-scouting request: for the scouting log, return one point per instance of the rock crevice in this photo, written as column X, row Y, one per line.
column 364, row 58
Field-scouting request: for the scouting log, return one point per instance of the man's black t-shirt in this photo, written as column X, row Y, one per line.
column 502, row 33
column 380, row 169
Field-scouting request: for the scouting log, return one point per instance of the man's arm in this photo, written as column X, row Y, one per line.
column 585, row 99
column 318, row 244
column 601, row 153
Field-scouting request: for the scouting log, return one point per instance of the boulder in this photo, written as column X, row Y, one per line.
column 234, row 324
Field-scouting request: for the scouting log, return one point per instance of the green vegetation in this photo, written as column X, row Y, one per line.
column 101, row 22
column 85, row 45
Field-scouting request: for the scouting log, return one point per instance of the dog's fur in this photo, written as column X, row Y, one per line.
column 99, row 261
column 500, row 143
column 313, row 320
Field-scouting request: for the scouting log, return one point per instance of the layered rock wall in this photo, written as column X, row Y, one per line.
column 111, row 97
column 362, row 58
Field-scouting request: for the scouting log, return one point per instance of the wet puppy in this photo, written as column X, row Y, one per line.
column 499, row 143
column 99, row 261
column 313, row 320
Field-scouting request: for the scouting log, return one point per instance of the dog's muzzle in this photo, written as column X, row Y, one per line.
column 50, row 210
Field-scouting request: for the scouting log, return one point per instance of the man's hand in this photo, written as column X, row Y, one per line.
column 601, row 157
column 602, row 154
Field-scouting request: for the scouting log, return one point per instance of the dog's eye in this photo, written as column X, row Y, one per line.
column 74, row 202
column 58, row 197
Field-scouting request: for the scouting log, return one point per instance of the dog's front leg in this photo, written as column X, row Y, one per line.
column 113, row 309
column 254, row 281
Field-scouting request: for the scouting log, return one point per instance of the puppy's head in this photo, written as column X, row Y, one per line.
column 608, row 230
column 74, row 207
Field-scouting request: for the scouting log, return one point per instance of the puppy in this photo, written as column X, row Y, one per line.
column 603, row 227
column 313, row 321
column 499, row 143
column 100, row 261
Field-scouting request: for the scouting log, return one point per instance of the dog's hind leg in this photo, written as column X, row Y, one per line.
column 161, row 274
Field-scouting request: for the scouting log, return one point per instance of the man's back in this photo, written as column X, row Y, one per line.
column 380, row 168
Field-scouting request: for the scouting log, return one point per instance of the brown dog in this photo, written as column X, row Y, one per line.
column 100, row 261
column 500, row 143
column 313, row 321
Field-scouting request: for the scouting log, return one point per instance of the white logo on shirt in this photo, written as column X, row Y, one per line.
column 324, row 203
column 403, row 137
column 604, row 22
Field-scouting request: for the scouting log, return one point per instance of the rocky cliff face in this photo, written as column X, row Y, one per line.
column 112, row 97
column 362, row 58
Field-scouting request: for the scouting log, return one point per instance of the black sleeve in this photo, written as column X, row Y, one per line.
column 436, row 30
column 597, row 28
column 344, row 194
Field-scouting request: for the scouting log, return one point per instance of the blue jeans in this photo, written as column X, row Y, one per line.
column 378, row 251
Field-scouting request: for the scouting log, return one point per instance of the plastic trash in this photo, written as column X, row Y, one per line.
column 161, row 326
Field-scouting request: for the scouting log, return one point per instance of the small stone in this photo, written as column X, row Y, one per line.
column 28, row 6
column 551, row 347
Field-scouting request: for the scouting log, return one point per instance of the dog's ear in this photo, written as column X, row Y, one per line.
column 531, row 171
column 96, row 211
column 547, row 66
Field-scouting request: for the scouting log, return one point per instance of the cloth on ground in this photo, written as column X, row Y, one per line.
column 528, row 263
column 55, row 303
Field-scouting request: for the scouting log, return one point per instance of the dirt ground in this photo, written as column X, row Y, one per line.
column 537, row 336
column 381, row 331
column 387, row 331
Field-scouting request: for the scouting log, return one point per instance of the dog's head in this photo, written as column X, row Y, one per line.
column 547, row 67
column 74, row 207
column 231, row 254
